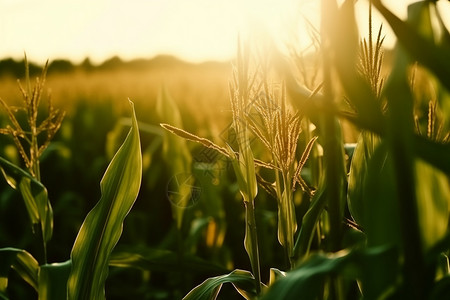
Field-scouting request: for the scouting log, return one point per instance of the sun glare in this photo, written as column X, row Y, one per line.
column 195, row 30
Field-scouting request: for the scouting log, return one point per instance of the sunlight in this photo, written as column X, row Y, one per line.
column 195, row 30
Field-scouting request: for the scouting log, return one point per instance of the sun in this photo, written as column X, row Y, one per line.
column 280, row 22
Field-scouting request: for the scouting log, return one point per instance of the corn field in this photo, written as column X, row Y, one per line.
column 285, row 175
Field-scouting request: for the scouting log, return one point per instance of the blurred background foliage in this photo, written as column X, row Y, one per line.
column 95, row 101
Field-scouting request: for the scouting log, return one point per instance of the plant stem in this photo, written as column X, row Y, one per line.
column 290, row 222
column 332, row 153
column 35, row 171
column 252, row 235
column 34, row 148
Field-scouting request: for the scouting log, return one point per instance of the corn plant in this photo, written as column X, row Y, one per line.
column 394, row 202
column 397, row 192
column 84, row 275
column 271, row 120
column 244, row 168
column 31, row 140
column 278, row 128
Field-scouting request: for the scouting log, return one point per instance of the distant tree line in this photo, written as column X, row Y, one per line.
column 15, row 68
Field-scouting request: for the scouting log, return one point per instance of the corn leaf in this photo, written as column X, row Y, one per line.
column 421, row 47
column 176, row 152
column 400, row 137
column 304, row 238
column 102, row 227
column 242, row 280
column 357, row 89
column 34, row 195
column 306, row 282
column 53, row 280
column 21, row 261
column 381, row 208
column 287, row 223
column 162, row 260
column 421, row 16
column 436, row 154
column 275, row 274
column 356, row 195
column 433, row 196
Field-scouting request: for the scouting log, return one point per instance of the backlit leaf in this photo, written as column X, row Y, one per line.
column 433, row 196
column 367, row 143
column 102, row 227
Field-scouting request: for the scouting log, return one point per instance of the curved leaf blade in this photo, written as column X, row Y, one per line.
column 420, row 46
column 34, row 195
column 102, row 227
column 305, row 236
column 162, row 260
column 242, row 280
column 306, row 282
column 24, row 264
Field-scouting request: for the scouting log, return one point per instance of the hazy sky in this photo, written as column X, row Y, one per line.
column 195, row 30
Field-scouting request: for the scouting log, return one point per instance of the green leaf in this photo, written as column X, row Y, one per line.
column 436, row 154
column 275, row 274
column 422, row 18
column 162, row 260
column 53, row 280
column 421, row 47
column 304, row 238
column 247, row 164
column 34, row 195
column 21, row 261
column 400, row 141
column 102, row 227
column 433, row 196
column 306, row 282
column 357, row 88
column 356, row 197
column 176, row 152
column 242, row 280
column 381, row 208
column 287, row 222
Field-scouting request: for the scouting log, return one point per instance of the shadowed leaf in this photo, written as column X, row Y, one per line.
column 162, row 260
column 21, row 261
column 419, row 46
column 53, row 280
column 356, row 195
column 242, row 280
column 34, row 195
column 306, row 282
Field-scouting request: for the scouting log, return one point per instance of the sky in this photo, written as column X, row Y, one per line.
column 194, row 30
